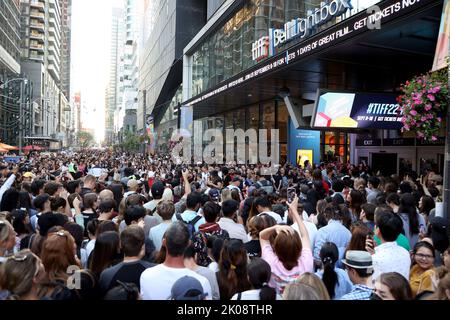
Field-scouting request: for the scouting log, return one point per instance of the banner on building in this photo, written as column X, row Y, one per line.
column 187, row 119
column 150, row 130
column 356, row 110
column 443, row 44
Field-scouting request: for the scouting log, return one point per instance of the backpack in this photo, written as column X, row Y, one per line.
column 190, row 225
column 265, row 185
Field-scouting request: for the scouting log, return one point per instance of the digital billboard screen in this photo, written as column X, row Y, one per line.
column 356, row 111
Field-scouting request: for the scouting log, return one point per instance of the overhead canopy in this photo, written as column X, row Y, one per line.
column 7, row 147
column 362, row 60
column 32, row 148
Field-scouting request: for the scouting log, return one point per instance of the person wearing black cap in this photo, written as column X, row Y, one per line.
column 214, row 194
column 157, row 192
column 188, row 288
column 359, row 268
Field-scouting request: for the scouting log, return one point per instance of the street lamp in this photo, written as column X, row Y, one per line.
column 15, row 79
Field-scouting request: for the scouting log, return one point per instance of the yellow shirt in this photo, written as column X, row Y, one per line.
column 421, row 281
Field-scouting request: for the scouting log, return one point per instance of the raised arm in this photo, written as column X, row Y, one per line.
column 187, row 185
column 264, row 236
column 9, row 182
column 293, row 213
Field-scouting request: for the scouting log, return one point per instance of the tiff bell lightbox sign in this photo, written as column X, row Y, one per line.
column 356, row 110
column 298, row 28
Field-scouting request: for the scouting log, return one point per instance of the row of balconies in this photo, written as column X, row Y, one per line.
column 34, row 55
column 35, row 35
column 37, row 46
column 37, row 25
column 37, row 14
column 39, row 5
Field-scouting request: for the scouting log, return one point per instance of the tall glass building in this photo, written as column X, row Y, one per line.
column 167, row 27
column 261, row 63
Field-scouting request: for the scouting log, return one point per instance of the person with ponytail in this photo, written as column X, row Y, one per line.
column 259, row 274
column 287, row 251
column 336, row 280
column 232, row 275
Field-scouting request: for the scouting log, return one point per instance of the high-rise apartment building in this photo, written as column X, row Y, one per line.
column 66, row 13
column 115, row 71
column 129, row 77
column 41, row 29
column 10, row 84
column 9, row 38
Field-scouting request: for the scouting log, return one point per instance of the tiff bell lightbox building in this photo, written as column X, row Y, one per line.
column 317, row 71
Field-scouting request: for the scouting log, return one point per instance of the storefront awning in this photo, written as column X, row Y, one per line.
column 343, row 57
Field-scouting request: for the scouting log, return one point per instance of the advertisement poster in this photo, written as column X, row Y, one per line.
column 303, row 143
column 443, row 43
column 303, row 155
column 357, row 110
column 150, row 128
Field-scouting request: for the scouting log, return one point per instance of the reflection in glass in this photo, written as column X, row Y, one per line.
column 227, row 51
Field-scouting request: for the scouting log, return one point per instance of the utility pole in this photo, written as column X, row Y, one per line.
column 446, row 191
column 21, row 114
column 144, row 123
column 5, row 98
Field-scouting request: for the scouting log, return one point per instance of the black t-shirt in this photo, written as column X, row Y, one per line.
column 277, row 178
column 88, row 216
column 129, row 272
column 253, row 248
column 226, row 180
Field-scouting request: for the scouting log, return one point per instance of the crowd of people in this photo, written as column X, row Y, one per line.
column 103, row 225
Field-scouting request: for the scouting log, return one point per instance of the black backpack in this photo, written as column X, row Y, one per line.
column 190, row 225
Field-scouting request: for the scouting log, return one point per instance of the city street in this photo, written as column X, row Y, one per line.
column 224, row 150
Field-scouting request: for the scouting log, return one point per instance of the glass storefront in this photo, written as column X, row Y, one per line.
column 335, row 146
column 267, row 115
column 169, row 121
column 228, row 50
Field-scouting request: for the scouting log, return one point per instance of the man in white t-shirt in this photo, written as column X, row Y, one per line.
column 156, row 283
column 389, row 256
column 263, row 206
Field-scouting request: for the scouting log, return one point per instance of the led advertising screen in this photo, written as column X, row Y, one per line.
column 356, row 111
column 303, row 155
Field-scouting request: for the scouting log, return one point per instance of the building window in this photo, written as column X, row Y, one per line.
column 335, row 146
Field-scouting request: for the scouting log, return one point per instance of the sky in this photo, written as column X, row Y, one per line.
column 91, row 34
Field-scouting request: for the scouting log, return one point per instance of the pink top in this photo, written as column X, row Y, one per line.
column 282, row 277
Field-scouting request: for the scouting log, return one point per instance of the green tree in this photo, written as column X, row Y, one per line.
column 85, row 139
column 131, row 142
